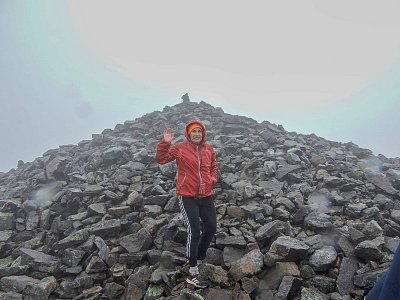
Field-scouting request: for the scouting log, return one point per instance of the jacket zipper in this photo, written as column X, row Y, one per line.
column 198, row 160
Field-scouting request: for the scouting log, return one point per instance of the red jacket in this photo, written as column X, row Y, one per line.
column 197, row 165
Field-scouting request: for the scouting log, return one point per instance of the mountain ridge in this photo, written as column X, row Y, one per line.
column 299, row 216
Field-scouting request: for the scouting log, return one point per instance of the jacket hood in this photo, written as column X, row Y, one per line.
column 203, row 141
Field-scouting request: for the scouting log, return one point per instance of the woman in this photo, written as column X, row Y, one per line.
column 197, row 174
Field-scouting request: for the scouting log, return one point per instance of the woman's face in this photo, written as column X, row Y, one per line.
column 196, row 135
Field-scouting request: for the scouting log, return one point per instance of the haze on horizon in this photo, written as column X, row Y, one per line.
column 72, row 68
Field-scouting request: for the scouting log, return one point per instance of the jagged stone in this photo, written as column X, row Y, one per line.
column 137, row 241
column 322, row 259
column 288, row 288
column 250, row 264
column 346, row 246
column 324, row 284
column 250, row 284
column 269, row 230
column 106, row 228
column 72, row 257
column 345, row 279
column 372, row 229
column 368, row 250
column 307, row 272
column 111, row 197
column 232, row 254
column 10, row 296
column 312, row 294
column 318, row 222
column 40, row 261
column 368, row 280
column 215, row 274
column 290, row 249
column 237, row 241
column 75, row 238
column 97, row 208
column 381, row 181
column 40, row 290
column 218, row 294
column 5, row 235
column 136, row 284
column 7, row 221
column 16, row 283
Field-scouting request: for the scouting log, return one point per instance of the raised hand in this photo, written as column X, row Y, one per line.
column 168, row 135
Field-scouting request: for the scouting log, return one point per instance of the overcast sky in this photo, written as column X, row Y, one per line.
column 72, row 68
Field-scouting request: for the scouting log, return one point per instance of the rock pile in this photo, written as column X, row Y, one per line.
column 299, row 217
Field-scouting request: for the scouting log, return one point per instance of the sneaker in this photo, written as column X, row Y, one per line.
column 197, row 281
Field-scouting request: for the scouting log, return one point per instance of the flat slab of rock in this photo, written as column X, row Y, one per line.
column 16, row 283
column 137, row 241
column 234, row 241
column 345, row 279
column 7, row 221
column 271, row 187
column 74, row 239
column 107, row 228
column 40, row 261
column 93, row 189
column 270, row 229
column 284, row 170
column 381, row 182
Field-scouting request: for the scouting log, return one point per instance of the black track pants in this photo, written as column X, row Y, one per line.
column 193, row 210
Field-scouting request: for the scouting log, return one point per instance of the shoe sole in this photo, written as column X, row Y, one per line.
column 195, row 284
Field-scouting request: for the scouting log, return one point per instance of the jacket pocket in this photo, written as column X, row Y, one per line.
column 183, row 181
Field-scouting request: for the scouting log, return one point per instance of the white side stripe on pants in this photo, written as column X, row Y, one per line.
column 189, row 229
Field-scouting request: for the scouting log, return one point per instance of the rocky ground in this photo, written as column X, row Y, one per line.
column 299, row 217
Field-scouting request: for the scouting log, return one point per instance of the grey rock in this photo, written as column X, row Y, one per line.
column 345, row 279
column 271, row 187
column 215, row 274
column 307, row 272
column 286, row 169
column 322, row 259
column 372, row 229
column 7, row 221
column 232, row 254
column 137, row 241
column 106, row 228
column 312, row 294
column 269, row 230
column 95, row 265
column 114, row 290
column 323, row 283
column 346, row 246
column 289, row 248
column 368, row 280
column 318, row 222
column 40, row 261
column 75, row 238
column 288, row 288
column 97, row 208
column 72, row 257
column 93, row 189
column 249, row 265
column 381, row 181
column 40, row 290
column 16, row 283
column 368, row 250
